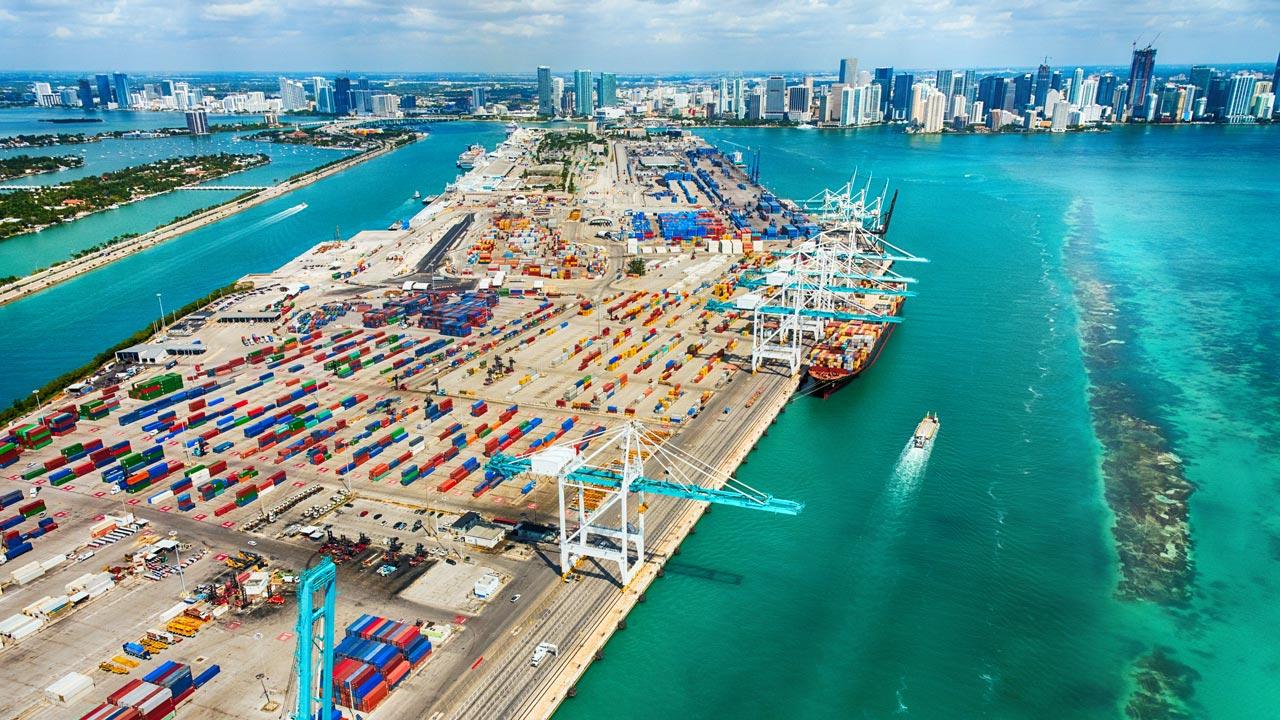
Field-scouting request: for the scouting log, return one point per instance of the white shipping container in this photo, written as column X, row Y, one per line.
column 737, row 246
column 757, row 246
column 31, row 628
column 199, row 476
column 160, row 497
column 69, row 688
column 174, row 611
column 53, row 562
column 11, row 623
column 27, row 573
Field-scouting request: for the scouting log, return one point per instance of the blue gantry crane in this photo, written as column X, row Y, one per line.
column 603, row 481
column 315, row 674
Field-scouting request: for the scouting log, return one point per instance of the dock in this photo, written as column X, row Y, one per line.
column 347, row 405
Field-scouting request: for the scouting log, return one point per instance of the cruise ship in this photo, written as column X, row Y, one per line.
column 470, row 157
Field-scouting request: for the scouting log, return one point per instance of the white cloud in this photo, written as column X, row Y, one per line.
column 626, row 35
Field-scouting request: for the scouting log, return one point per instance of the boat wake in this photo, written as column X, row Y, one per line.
column 912, row 463
column 266, row 222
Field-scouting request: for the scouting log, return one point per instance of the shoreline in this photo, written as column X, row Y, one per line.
column 72, row 268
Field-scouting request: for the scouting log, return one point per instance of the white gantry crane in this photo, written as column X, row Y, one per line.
column 604, row 479
column 845, row 273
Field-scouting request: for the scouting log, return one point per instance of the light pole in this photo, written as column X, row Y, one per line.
column 262, row 679
column 161, row 301
column 177, row 560
column 37, row 394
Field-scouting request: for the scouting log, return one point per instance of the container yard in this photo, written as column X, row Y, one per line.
column 363, row 405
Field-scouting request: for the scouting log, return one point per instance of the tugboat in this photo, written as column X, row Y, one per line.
column 926, row 431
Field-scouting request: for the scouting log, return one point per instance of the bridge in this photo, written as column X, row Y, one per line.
column 240, row 188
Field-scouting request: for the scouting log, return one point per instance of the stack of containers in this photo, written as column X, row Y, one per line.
column 61, row 423
column 96, row 409
column 175, row 677
column 155, row 387
column 9, row 452
column 33, row 437
column 152, row 701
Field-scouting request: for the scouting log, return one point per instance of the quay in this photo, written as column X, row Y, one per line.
column 358, row 404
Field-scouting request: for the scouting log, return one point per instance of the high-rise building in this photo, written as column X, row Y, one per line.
column 557, row 94
column 607, row 90
column 582, row 93
column 1044, row 78
column 970, row 86
column 1106, row 96
column 754, row 106
column 362, row 96
column 934, row 112
column 1024, row 91
column 901, row 102
column 198, row 122
column 1240, row 89
column 1141, row 76
column 384, row 104
column 722, row 97
column 848, row 71
column 85, row 91
column 942, row 81
column 166, row 88
column 991, row 90
column 120, row 85
column 1275, row 79
column 479, row 97
column 103, row 81
column 775, row 97
column 545, row 105
column 1200, row 77
column 884, row 79
column 293, row 95
column 799, row 97
column 342, row 96
column 1055, row 81
column 326, row 103
column 1077, row 80
column 739, row 98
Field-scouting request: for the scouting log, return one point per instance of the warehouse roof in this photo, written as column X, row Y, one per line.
column 659, row 161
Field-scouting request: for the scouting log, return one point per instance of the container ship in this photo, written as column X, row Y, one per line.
column 470, row 157
column 848, row 348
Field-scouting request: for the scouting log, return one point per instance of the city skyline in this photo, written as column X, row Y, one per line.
column 455, row 37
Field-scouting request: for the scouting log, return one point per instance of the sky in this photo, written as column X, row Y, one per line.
column 623, row 36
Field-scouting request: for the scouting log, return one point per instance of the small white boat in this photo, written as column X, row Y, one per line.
column 926, row 431
column 417, row 195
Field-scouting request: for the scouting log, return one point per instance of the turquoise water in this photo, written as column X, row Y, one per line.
column 62, row 328
column 26, row 121
column 22, row 254
column 986, row 585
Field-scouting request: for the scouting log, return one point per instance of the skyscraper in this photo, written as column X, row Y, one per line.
column 884, row 79
column 120, row 84
column 1141, row 73
column 607, row 90
column 85, row 90
column 104, row 89
column 582, row 93
column 1043, row 84
column 722, row 97
column 1200, row 76
column 1275, row 78
column 799, row 97
column 848, row 71
column 1239, row 97
column 557, row 94
column 1106, row 91
column 545, row 106
column 293, row 96
column 901, row 102
column 942, row 81
column 1024, row 91
column 775, row 102
column 342, row 96
column 1077, row 80
column 970, row 87
column 479, row 97
column 739, row 98
column 198, row 122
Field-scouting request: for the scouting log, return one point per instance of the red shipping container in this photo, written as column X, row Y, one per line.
column 224, row 509
column 398, row 672
column 55, row 462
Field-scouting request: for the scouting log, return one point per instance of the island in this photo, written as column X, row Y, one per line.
column 23, row 165
column 32, row 210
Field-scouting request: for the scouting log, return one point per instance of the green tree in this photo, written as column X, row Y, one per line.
column 635, row 266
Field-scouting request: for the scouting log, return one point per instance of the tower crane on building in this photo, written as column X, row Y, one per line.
column 603, row 482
